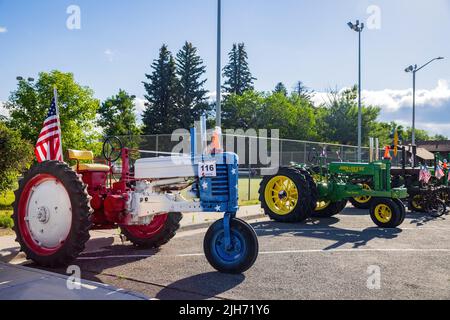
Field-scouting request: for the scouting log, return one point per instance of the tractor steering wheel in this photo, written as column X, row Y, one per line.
column 112, row 149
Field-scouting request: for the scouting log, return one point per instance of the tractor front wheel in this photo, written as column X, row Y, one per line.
column 243, row 249
column 386, row 213
column 161, row 229
column 51, row 214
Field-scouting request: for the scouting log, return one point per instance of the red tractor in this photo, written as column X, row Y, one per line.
column 56, row 205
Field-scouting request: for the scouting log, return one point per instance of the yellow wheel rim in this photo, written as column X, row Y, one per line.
column 364, row 199
column 322, row 205
column 415, row 202
column 383, row 213
column 281, row 195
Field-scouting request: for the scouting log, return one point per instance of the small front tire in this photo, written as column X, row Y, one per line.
column 243, row 252
column 386, row 213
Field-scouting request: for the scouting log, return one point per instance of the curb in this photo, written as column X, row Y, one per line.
column 209, row 223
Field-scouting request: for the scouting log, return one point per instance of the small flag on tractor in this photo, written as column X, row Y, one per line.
column 49, row 144
column 439, row 172
column 424, row 175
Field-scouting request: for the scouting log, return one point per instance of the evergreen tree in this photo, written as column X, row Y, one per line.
column 117, row 115
column 191, row 95
column 237, row 73
column 161, row 115
column 302, row 91
column 280, row 88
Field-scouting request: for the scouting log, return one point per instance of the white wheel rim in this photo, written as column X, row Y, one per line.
column 49, row 214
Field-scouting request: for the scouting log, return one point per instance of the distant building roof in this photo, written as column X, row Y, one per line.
column 435, row 146
column 421, row 153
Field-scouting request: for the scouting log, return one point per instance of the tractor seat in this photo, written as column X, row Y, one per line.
column 86, row 156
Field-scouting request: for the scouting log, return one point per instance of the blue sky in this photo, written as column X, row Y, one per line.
column 287, row 40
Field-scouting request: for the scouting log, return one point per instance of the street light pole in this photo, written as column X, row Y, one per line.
column 414, row 69
column 358, row 28
column 219, row 67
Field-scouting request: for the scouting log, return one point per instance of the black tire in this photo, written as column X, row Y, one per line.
column 403, row 209
column 164, row 235
column 412, row 203
column 307, row 195
column 249, row 246
column 437, row 209
column 331, row 210
column 79, row 201
column 396, row 213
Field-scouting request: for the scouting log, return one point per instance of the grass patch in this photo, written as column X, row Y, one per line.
column 244, row 198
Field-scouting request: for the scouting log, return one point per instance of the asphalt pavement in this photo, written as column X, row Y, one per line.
column 345, row 257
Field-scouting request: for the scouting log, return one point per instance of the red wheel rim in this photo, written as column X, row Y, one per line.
column 22, row 213
column 148, row 231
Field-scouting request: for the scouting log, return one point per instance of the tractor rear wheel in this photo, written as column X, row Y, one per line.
column 289, row 196
column 328, row 209
column 414, row 202
column 363, row 202
column 386, row 213
column 51, row 214
column 161, row 229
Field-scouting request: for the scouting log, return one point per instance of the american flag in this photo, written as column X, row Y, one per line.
column 48, row 146
column 424, row 174
column 439, row 172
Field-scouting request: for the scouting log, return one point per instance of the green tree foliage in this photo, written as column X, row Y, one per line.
column 243, row 111
column 117, row 115
column 341, row 118
column 28, row 106
column 16, row 155
column 192, row 101
column 237, row 72
column 281, row 88
column 161, row 115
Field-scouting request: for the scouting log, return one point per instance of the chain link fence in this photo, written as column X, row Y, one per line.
column 249, row 150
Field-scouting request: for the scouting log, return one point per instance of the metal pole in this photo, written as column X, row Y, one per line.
column 413, row 140
column 219, row 67
column 359, row 100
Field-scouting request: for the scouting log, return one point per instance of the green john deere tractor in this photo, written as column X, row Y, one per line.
column 300, row 191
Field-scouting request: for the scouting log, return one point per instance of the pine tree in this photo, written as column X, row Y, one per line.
column 302, row 91
column 191, row 95
column 280, row 88
column 237, row 73
column 161, row 115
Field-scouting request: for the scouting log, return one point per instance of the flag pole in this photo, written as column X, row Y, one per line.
column 55, row 95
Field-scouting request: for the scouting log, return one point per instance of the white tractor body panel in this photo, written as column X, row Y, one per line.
column 164, row 167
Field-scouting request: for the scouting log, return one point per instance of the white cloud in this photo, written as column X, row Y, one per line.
column 433, row 106
column 109, row 55
column 3, row 111
column 394, row 100
column 3, row 29
column 139, row 104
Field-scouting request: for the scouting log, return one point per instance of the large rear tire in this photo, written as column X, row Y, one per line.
column 329, row 209
column 289, row 196
column 51, row 214
column 363, row 202
column 160, row 231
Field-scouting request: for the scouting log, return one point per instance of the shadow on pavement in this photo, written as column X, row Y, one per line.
column 324, row 229
column 200, row 287
column 421, row 219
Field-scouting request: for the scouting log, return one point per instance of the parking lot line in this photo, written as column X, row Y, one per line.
column 141, row 256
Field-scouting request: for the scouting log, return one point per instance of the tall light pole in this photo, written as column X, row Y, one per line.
column 219, row 66
column 414, row 69
column 358, row 28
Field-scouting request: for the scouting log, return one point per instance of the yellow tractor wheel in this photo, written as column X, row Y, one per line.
column 288, row 195
column 386, row 213
column 362, row 202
